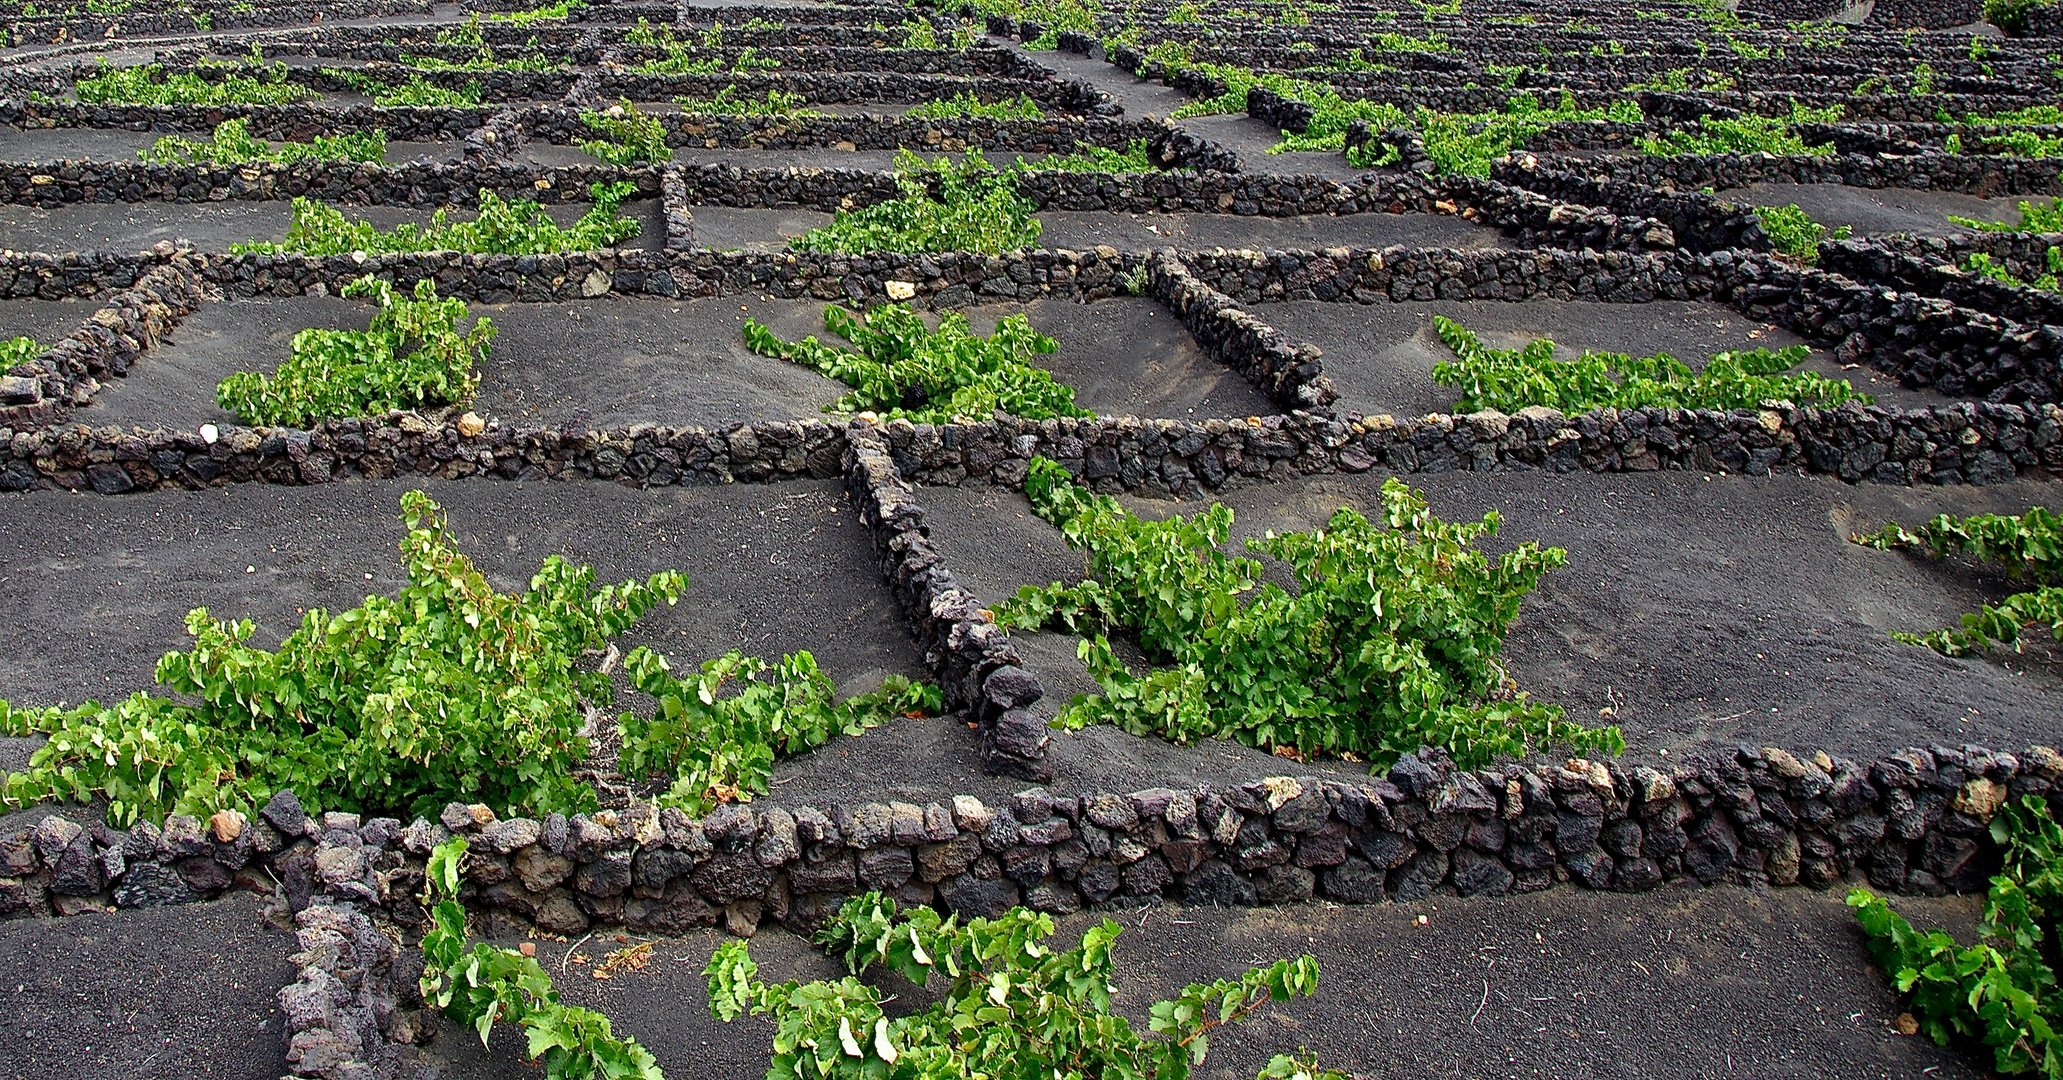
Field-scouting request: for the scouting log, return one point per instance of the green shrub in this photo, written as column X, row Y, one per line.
column 2029, row 546
column 1508, row 380
column 1793, row 232
column 447, row 691
column 481, row 986
column 2011, row 15
column 485, row 60
column 501, row 227
column 151, row 84
column 1984, row 266
column 727, row 102
column 15, row 351
column 562, row 9
column 900, row 368
column 2035, row 217
column 967, row 105
column 1747, row 134
column 417, row 91
column 416, row 353
column 1088, row 158
column 231, row 143
column 714, row 736
column 2002, row 992
column 975, row 208
column 626, row 136
column 1389, row 643
column 1007, row 998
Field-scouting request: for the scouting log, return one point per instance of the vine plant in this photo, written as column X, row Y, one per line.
column 714, row 736
column 1508, row 380
column 152, row 84
column 625, row 136
column 975, row 207
column 501, row 227
column 415, row 353
column 728, row 102
column 445, row 691
column 2029, row 546
column 17, row 350
column 1991, row 269
column 2002, row 991
column 231, row 143
column 1008, row 997
column 966, row 104
column 1389, row 641
column 1794, row 233
column 483, row 984
column 416, row 91
column 900, row 368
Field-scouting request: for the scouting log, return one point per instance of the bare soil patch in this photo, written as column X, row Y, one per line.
column 145, row 994
column 1880, row 211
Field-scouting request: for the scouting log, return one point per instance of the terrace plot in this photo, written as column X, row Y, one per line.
column 54, row 144
column 124, row 994
column 102, row 586
column 1880, row 211
column 551, row 155
column 1381, row 356
column 213, row 226
column 730, row 229
column 1196, row 232
column 617, row 361
column 1562, row 983
column 610, row 362
column 1702, row 611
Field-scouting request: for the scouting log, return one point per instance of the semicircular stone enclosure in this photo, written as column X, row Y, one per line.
column 1515, row 531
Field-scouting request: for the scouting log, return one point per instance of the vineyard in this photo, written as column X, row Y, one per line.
column 915, row 539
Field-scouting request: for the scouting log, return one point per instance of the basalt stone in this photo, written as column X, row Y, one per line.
column 1054, row 897
column 1326, row 847
column 1149, row 876
column 886, row 867
column 1592, row 867
column 1637, row 874
column 725, row 878
column 505, row 837
column 1098, row 881
column 1305, row 813
column 1712, row 850
column 1354, row 881
column 153, row 885
column 967, row 895
column 1213, row 882
column 681, row 909
column 1026, row 865
column 285, row 813
column 608, row 875
column 539, row 870
column 208, row 876
column 833, row 874
column 1284, row 884
column 865, row 826
column 1477, row 873
column 1417, row 879
column 936, row 862
column 1387, row 850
